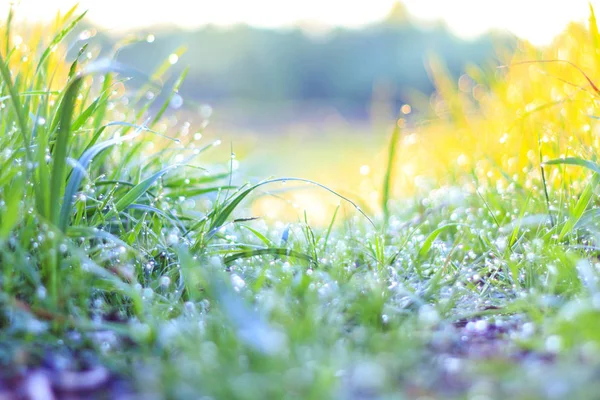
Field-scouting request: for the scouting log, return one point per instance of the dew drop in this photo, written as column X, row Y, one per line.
column 173, row 58
column 176, row 102
column 165, row 281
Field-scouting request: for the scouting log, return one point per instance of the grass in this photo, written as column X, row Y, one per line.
column 152, row 263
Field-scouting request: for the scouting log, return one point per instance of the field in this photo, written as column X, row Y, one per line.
column 456, row 256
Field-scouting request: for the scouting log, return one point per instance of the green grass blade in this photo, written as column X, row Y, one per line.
column 75, row 64
column 61, row 147
column 576, row 161
column 224, row 213
column 164, row 67
column 275, row 251
column 88, row 232
column 59, row 38
column 259, row 235
column 138, row 190
column 579, row 209
column 101, row 109
column 174, row 91
column 86, row 114
column 330, row 227
column 8, row 29
column 19, row 111
column 175, row 221
column 426, row 246
column 32, row 93
column 10, row 216
column 194, row 192
column 389, row 173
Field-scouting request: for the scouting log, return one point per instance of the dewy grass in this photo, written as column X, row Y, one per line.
column 153, row 265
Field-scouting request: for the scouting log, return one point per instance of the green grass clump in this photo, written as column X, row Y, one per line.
column 116, row 240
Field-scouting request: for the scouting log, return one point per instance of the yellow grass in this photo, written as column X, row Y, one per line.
column 491, row 127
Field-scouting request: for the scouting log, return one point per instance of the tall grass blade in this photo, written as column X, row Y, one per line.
column 389, row 172
column 576, row 161
column 168, row 100
column 330, row 228
column 59, row 38
column 259, row 235
column 61, row 147
column 7, row 33
column 223, row 214
column 595, row 35
column 75, row 64
column 276, row 251
column 19, row 111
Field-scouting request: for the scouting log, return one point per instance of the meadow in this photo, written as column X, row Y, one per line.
column 456, row 257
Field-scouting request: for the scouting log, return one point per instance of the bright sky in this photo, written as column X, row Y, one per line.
column 536, row 20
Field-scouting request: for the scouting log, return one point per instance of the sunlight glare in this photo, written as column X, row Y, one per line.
column 535, row 20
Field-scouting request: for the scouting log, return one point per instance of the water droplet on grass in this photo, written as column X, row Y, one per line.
column 237, row 282
column 176, row 102
column 85, row 35
column 173, row 58
column 481, row 326
column 165, row 281
column 428, row 314
column 452, row 364
column 369, row 376
column 205, row 111
column 41, row 292
column 173, row 239
column 147, row 293
column 189, row 307
column 554, row 343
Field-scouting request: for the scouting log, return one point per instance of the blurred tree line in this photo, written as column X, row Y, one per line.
column 339, row 68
